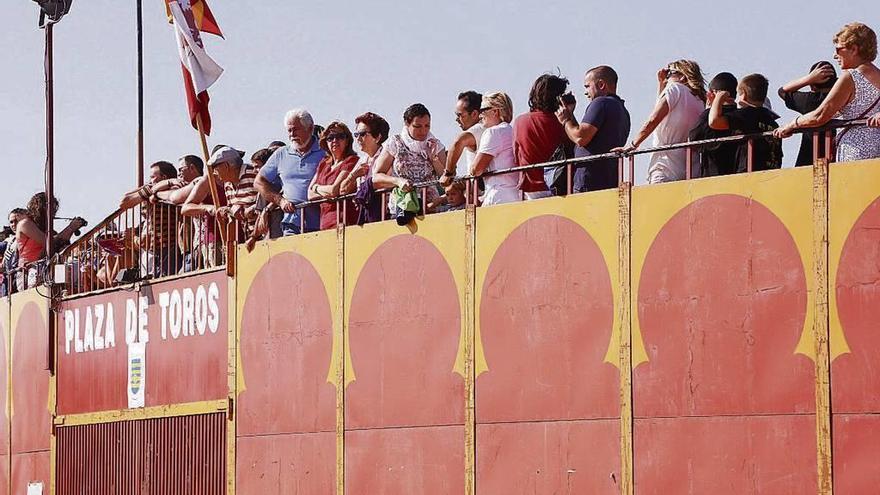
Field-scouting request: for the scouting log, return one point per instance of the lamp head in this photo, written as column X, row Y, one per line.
column 53, row 10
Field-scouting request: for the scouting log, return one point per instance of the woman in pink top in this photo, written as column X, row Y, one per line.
column 30, row 235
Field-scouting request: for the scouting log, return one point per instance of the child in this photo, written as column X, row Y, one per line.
column 821, row 79
column 452, row 200
column 750, row 118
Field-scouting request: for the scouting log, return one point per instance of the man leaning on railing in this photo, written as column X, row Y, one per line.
column 158, row 237
column 237, row 180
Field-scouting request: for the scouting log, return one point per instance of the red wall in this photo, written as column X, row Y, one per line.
column 185, row 366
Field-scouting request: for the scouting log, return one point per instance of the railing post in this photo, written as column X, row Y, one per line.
column 750, row 158
column 688, row 163
column 568, row 177
column 344, row 213
column 816, row 156
column 384, row 205
column 632, row 169
column 424, row 200
column 830, row 152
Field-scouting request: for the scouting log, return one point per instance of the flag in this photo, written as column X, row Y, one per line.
column 202, row 15
column 199, row 69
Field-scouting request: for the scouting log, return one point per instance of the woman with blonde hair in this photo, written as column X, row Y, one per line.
column 855, row 95
column 495, row 150
column 681, row 100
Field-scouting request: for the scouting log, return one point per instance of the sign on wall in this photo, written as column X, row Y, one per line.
column 165, row 344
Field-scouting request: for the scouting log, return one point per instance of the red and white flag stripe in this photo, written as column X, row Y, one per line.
column 200, row 71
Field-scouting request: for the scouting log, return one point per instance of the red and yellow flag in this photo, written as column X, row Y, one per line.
column 202, row 15
column 199, row 70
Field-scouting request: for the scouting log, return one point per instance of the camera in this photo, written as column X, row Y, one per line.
column 81, row 220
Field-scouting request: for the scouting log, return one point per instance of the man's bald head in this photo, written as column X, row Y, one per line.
column 604, row 73
column 600, row 81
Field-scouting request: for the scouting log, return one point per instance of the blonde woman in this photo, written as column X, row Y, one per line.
column 681, row 100
column 855, row 95
column 495, row 150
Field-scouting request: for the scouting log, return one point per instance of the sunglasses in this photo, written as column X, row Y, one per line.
column 336, row 137
column 486, row 109
column 360, row 134
column 672, row 72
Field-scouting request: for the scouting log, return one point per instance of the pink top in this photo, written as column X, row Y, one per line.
column 29, row 250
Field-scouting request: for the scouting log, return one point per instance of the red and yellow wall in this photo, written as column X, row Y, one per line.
column 28, row 398
column 682, row 338
column 710, row 336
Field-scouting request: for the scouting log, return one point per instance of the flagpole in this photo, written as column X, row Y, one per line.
column 139, row 173
column 209, row 170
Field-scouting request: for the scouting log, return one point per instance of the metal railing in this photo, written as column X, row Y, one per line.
column 145, row 242
column 626, row 165
column 154, row 240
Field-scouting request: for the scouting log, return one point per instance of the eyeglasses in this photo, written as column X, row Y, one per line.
column 360, row 134
column 335, row 137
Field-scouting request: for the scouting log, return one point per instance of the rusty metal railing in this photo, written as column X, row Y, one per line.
column 154, row 240
column 145, row 242
column 626, row 165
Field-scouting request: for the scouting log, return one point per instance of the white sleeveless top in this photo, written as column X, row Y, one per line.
column 684, row 112
column 859, row 143
column 463, row 166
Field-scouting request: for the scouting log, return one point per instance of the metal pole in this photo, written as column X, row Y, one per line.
column 50, row 141
column 50, row 195
column 139, row 174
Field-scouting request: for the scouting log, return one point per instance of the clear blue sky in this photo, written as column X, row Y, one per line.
column 339, row 59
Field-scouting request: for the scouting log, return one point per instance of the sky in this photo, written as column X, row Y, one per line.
column 339, row 59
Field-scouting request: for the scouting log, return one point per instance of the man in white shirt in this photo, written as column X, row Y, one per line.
column 467, row 115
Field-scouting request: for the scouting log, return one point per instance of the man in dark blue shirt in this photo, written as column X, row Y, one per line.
column 605, row 126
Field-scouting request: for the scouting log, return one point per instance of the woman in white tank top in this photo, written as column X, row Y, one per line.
column 681, row 99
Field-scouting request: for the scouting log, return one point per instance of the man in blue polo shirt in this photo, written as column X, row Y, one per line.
column 605, row 126
column 284, row 179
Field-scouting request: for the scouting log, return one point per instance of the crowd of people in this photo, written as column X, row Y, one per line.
column 290, row 188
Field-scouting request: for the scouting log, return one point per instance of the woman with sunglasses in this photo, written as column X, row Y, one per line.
column 495, row 150
column 855, row 96
column 336, row 141
column 370, row 134
column 681, row 99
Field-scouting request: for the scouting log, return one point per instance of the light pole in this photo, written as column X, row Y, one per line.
column 51, row 11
